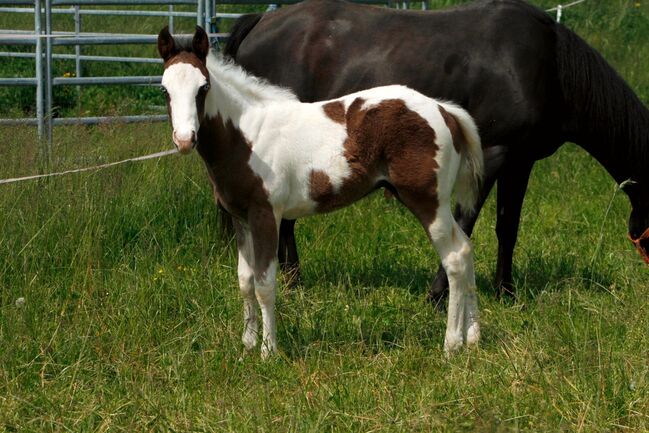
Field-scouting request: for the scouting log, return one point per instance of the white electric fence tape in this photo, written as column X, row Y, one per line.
column 96, row 167
column 565, row 6
column 560, row 8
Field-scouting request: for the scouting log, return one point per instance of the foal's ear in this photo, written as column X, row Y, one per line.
column 200, row 44
column 166, row 44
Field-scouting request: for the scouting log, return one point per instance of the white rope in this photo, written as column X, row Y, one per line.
column 96, row 167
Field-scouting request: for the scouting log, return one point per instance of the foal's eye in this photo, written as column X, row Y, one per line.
column 205, row 87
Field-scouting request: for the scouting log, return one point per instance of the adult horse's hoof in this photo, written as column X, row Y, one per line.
column 506, row 291
column 291, row 275
column 439, row 291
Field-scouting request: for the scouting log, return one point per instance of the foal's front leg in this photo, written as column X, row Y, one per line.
column 264, row 225
column 245, row 271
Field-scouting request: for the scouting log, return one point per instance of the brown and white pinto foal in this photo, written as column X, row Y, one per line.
column 270, row 156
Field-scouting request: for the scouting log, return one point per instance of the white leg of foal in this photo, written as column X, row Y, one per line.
column 471, row 315
column 265, row 292
column 456, row 253
column 245, row 271
column 250, row 306
column 456, row 308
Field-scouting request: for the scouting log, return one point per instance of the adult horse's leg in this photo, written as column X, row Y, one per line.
column 287, row 254
column 494, row 158
column 512, row 185
column 245, row 271
column 264, row 227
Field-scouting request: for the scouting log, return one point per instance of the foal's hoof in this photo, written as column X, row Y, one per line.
column 452, row 343
column 268, row 352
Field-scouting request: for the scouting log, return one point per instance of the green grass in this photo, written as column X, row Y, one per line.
column 132, row 319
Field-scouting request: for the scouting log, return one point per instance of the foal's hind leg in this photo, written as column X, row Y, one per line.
column 456, row 253
column 494, row 158
column 264, row 226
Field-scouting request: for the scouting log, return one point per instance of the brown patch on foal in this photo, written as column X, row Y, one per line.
column 459, row 140
column 190, row 59
column 335, row 110
column 226, row 154
column 386, row 140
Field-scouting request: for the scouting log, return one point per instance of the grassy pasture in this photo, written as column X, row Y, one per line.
column 131, row 319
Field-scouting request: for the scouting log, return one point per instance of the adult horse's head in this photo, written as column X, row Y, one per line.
column 639, row 220
column 185, row 83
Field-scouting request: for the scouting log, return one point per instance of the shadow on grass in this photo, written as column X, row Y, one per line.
column 417, row 280
column 542, row 274
column 378, row 327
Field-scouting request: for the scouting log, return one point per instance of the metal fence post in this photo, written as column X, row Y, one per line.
column 77, row 48
column 199, row 12
column 207, row 15
column 171, row 18
column 48, row 75
column 39, row 67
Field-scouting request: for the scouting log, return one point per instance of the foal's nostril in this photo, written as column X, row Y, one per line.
column 185, row 142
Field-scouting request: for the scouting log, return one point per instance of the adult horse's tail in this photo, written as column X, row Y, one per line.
column 469, row 177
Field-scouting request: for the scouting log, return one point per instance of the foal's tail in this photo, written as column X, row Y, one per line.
column 469, row 176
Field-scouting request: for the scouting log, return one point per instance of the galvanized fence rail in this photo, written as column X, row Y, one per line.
column 44, row 39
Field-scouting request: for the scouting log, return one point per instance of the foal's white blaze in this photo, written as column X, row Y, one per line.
column 182, row 82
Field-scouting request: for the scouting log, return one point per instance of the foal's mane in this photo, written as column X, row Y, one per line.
column 225, row 70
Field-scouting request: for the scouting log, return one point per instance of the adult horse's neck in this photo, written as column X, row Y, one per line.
column 621, row 142
column 233, row 90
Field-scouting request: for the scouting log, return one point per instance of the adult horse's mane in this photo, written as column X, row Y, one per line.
column 239, row 31
column 597, row 100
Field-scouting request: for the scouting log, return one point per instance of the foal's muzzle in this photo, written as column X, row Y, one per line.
column 642, row 245
column 185, row 142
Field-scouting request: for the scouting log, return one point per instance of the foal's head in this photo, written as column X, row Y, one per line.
column 185, row 83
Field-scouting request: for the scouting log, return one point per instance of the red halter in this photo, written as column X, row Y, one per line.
column 643, row 252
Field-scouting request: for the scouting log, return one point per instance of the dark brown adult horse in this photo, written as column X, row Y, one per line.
column 531, row 85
